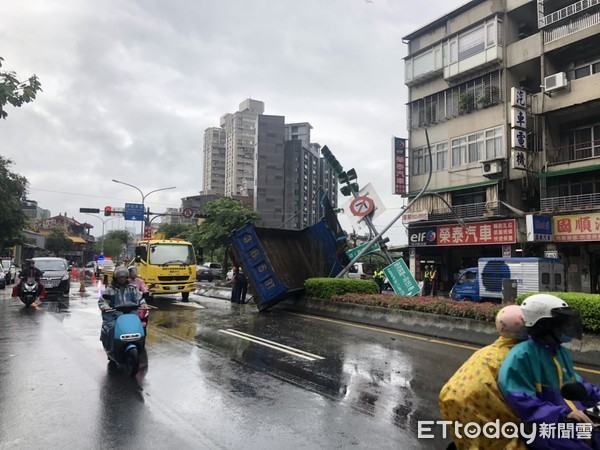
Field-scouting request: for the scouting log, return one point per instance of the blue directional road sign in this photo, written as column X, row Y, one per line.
column 134, row 211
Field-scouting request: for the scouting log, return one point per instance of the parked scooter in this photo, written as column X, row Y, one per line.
column 28, row 291
column 124, row 339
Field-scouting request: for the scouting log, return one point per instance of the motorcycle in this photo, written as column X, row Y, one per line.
column 28, row 291
column 124, row 338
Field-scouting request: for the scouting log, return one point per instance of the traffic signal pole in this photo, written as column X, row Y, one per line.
column 369, row 221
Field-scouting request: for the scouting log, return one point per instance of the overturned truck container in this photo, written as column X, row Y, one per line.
column 278, row 261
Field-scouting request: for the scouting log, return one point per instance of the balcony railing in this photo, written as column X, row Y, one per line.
column 570, row 203
column 567, row 11
column 572, row 27
column 575, row 152
column 471, row 210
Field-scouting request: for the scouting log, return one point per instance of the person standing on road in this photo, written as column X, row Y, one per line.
column 235, row 293
column 434, row 280
column 378, row 277
column 426, row 281
column 242, row 282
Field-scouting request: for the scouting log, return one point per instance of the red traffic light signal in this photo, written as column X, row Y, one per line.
column 107, row 210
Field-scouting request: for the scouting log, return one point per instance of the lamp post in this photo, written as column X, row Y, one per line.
column 145, row 221
column 103, row 223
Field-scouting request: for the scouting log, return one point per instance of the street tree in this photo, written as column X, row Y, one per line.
column 123, row 236
column 58, row 242
column 177, row 230
column 15, row 92
column 112, row 247
column 13, row 189
column 221, row 217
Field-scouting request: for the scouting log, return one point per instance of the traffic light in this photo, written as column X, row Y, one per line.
column 333, row 162
column 347, row 190
column 107, row 210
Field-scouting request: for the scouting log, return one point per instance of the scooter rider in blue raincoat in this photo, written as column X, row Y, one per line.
column 533, row 373
column 119, row 293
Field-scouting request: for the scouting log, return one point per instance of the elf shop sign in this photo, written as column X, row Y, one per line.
column 478, row 233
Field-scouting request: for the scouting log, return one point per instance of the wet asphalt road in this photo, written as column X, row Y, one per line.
column 215, row 377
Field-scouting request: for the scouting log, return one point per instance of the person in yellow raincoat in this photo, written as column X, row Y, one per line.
column 472, row 393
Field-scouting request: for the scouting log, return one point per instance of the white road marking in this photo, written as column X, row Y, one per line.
column 273, row 345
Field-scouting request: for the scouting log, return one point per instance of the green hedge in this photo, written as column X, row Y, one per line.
column 587, row 304
column 326, row 288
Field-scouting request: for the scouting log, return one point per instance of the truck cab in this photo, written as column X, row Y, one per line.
column 467, row 286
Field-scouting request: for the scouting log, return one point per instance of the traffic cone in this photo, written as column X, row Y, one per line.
column 82, row 286
column 93, row 277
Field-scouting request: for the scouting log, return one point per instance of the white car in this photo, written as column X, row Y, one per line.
column 215, row 268
column 10, row 270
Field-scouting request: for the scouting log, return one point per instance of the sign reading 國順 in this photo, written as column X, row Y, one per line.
column 401, row 280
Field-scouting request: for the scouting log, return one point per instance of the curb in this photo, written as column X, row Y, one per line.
column 459, row 329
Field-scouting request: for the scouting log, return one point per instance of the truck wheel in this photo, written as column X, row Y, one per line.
column 185, row 296
column 465, row 299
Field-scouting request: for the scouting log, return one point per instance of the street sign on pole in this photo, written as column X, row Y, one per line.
column 362, row 206
column 356, row 250
column 401, row 279
column 134, row 211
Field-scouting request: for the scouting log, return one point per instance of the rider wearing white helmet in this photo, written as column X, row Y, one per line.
column 534, row 372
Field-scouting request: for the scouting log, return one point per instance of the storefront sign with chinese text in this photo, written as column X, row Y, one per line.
column 539, row 228
column 399, row 165
column 478, row 233
column 582, row 227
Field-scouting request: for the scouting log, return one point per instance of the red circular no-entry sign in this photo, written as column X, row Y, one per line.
column 362, row 206
column 187, row 213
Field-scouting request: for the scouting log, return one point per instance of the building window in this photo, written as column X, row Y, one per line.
column 477, row 146
column 462, row 99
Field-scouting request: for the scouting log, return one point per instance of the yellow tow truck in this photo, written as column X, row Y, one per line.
column 168, row 266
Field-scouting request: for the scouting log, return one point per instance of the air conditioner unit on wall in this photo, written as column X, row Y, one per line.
column 555, row 82
column 491, row 167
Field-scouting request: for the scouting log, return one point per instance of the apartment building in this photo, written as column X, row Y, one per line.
column 307, row 178
column 507, row 93
column 259, row 157
column 213, row 180
column 240, row 140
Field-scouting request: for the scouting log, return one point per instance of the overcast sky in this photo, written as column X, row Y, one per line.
column 130, row 86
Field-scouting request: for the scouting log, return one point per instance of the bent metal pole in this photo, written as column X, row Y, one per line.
column 402, row 211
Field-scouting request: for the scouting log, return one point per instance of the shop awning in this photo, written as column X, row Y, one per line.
column 568, row 171
column 77, row 240
column 454, row 188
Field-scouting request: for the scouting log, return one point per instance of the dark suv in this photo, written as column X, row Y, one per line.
column 55, row 275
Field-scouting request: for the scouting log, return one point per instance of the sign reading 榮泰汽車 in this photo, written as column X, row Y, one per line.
column 134, row 211
column 353, row 252
column 401, row 280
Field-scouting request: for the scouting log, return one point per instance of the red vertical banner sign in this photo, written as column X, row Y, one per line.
column 399, row 157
